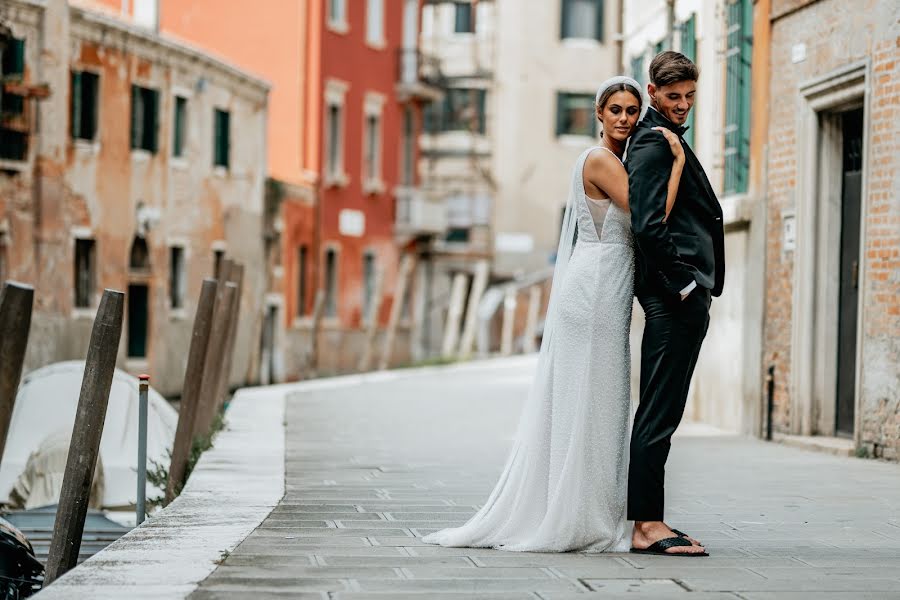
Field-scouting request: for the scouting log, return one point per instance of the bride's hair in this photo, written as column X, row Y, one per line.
column 607, row 94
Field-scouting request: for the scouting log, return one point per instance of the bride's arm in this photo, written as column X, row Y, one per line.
column 677, row 168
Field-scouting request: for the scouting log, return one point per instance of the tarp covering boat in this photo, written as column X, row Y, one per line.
column 46, row 403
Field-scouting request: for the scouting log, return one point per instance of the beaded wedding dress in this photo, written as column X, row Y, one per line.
column 564, row 484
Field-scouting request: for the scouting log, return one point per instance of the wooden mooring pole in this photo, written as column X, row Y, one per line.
column 16, row 300
column 86, row 433
column 193, row 378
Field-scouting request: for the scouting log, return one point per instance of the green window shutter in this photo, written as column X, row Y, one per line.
column 89, row 106
column 75, row 107
column 137, row 116
column 564, row 19
column 221, row 140
column 560, row 101
column 482, row 97
column 153, row 121
column 689, row 49
column 737, row 95
column 14, row 59
column 637, row 70
column 600, row 10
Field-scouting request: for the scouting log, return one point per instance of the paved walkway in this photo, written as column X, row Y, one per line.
column 370, row 468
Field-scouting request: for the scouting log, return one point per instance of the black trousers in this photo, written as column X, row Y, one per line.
column 673, row 334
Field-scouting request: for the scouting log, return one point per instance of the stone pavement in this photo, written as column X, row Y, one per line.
column 372, row 467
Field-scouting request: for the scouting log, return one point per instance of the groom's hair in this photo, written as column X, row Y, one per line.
column 669, row 67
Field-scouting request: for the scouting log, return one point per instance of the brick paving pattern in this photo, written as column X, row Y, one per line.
column 371, row 468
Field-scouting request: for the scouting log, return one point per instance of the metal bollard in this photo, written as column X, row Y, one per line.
column 143, row 390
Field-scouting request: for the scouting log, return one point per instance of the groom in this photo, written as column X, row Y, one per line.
column 680, row 265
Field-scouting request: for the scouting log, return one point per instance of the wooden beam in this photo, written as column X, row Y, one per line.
column 16, row 300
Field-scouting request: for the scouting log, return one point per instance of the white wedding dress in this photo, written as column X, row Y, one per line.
column 564, row 484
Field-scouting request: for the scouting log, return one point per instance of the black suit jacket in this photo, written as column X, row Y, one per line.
column 690, row 246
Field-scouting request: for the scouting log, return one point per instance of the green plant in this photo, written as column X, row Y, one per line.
column 158, row 473
column 862, row 452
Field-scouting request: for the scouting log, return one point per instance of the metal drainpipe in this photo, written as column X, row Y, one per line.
column 770, row 400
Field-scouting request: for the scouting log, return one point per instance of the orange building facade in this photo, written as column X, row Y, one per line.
column 341, row 147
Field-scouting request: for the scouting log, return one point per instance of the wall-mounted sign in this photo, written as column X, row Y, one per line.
column 798, row 52
column 352, row 223
column 788, row 232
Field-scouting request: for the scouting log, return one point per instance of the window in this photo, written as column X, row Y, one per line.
column 138, row 317
column 13, row 123
column 146, row 13
column 368, row 283
column 144, row 122
column 218, row 256
column 637, row 70
column 464, row 21
column 176, row 277
column 301, row 280
column 3, row 268
column 462, row 110
column 331, row 282
column 373, row 148
column 85, row 93
column 689, row 49
column 334, row 166
column 84, row 273
column 407, row 163
column 337, row 13
column 575, row 114
column 375, row 22
column 222, row 140
column 457, row 234
column 139, row 259
column 179, row 127
column 582, row 19
column 737, row 95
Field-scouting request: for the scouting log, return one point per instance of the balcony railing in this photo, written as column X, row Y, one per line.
column 419, row 74
column 417, row 215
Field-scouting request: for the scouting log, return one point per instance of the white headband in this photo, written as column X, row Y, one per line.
column 614, row 81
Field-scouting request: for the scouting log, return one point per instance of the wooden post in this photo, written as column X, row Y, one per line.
column 193, row 377
column 454, row 314
column 372, row 323
column 207, row 404
column 478, row 286
column 312, row 365
column 534, row 307
column 237, row 277
column 509, row 317
column 16, row 300
column 401, row 290
column 85, row 445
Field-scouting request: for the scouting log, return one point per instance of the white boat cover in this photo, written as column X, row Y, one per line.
column 40, row 483
column 46, row 402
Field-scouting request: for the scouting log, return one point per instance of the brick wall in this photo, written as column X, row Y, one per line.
column 836, row 34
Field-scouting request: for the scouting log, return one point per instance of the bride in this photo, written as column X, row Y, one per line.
column 564, row 484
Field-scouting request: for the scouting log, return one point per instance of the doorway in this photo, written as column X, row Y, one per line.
column 138, row 312
column 848, row 299
column 828, row 279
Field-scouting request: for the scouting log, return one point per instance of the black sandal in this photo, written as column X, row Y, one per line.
column 681, row 534
column 660, row 547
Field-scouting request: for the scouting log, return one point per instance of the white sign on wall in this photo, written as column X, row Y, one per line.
column 352, row 223
column 513, row 242
column 789, row 232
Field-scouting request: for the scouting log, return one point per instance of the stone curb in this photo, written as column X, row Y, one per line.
column 233, row 488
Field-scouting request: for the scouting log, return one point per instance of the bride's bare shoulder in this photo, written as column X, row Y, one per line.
column 600, row 161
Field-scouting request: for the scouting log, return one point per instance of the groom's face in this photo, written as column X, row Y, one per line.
column 675, row 100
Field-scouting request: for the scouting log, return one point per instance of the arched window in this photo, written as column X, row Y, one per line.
column 139, row 259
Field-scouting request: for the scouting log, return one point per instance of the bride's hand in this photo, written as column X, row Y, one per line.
column 674, row 143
